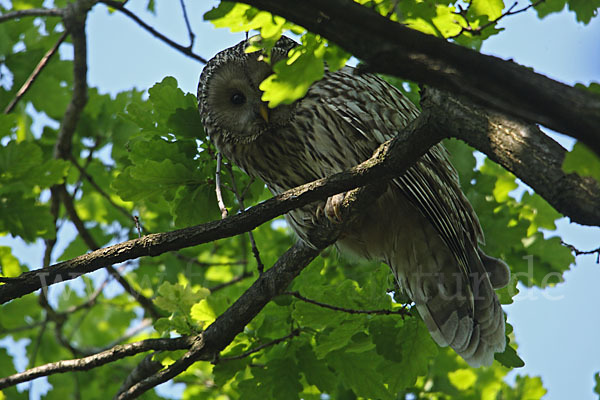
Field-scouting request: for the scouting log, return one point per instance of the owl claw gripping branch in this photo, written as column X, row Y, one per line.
column 423, row 227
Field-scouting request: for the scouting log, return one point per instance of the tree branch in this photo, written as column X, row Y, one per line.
column 187, row 24
column 403, row 311
column 99, row 359
column 578, row 252
column 392, row 48
column 32, row 12
column 521, row 148
column 185, row 50
column 75, row 15
column 36, row 72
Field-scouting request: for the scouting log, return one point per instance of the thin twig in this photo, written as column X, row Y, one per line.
column 32, row 12
column 578, row 252
column 138, row 226
column 36, row 72
column 185, row 50
column 187, row 24
column 477, row 31
column 240, row 200
column 403, row 311
column 218, row 191
column 245, row 354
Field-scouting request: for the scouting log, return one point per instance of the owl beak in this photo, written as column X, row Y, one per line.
column 264, row 112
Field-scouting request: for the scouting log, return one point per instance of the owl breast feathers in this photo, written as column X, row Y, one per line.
column 423, row 227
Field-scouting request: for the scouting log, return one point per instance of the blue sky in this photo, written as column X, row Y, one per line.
column 557, row 329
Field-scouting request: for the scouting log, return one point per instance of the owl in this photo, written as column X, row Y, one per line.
column 422, row 226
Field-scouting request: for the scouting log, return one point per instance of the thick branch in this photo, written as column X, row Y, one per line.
column 97, row 360
column 521, row 148
column 75, row 15
column 392, row 48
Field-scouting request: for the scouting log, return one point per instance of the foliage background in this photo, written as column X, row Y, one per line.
column 121, row 55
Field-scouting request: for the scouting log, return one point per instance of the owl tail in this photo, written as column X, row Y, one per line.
column 459, row 311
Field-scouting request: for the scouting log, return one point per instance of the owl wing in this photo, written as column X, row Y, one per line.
column 377, row 110
column 472, row 323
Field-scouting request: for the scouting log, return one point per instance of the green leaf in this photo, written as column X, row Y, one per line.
column 359, row 372
column 505, row 181
column 152, row 178
column 243, row 18
column 597, row 386
column 338, row 337
column 178, row 300
column 547, row 259
column 526, row 388
column 490, row 8
column 315, row 371
column 25, row 217
column 203, row 313
column 294, row 76
column 9, row 264
column 548, row 7
column 462, row 379
column 205, row 207
column 582, row 161
column 438, row 20
column 585, row 10
column 22, row 167
column 176, row 297
column 407, row 343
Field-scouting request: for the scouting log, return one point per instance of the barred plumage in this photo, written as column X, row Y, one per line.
column 423, row 226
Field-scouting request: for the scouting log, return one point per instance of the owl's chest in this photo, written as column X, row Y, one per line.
column 301, row 152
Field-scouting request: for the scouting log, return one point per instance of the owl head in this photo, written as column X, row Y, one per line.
column 229, row 99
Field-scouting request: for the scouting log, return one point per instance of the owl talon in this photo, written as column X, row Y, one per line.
column 333, row 207
column 318, row 213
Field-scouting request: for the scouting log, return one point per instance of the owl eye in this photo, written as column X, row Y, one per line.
column 237, row 98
